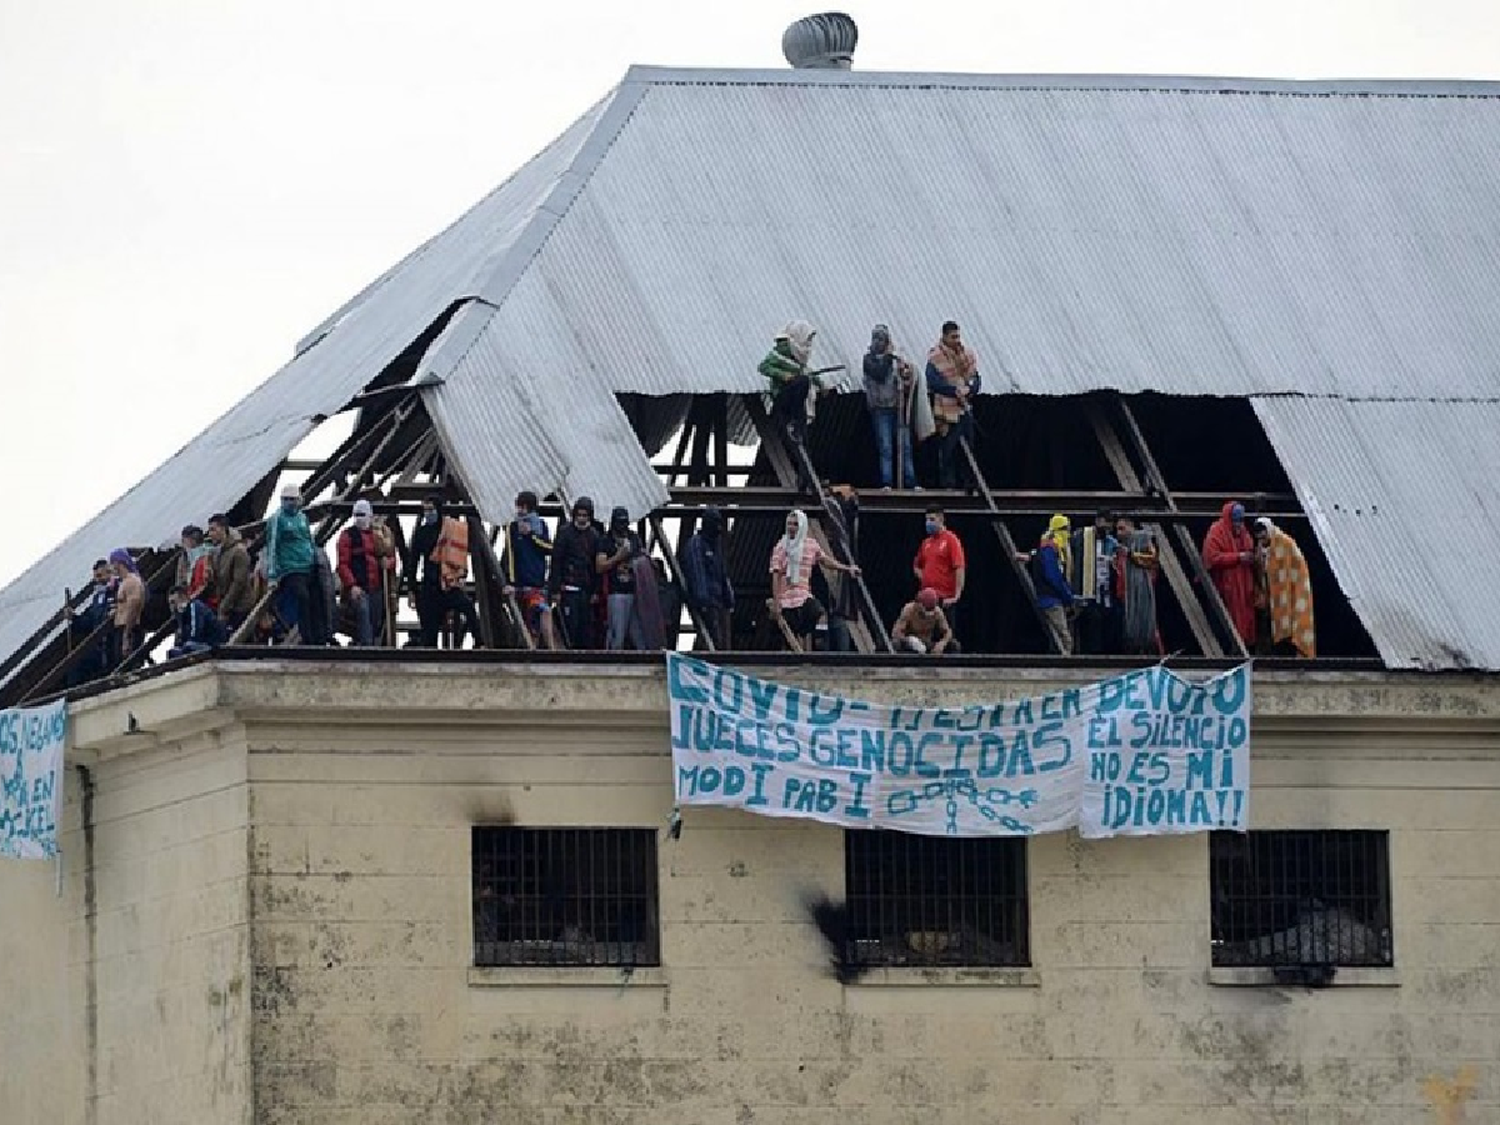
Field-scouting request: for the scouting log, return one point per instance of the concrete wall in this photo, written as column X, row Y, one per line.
column 126, row 1000
column 318, row 824
column 368, row 1011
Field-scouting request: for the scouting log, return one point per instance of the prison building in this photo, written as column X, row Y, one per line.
column 396, row 885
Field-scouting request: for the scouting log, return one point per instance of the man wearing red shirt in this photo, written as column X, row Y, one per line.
column 940, row 564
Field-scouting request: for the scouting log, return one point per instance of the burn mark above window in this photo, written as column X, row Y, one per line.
column 565, row 896
column 927, row 901
column 1305, row 899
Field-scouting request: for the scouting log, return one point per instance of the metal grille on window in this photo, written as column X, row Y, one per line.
column 565, row 896
column 935, row 901
column 1301, row 899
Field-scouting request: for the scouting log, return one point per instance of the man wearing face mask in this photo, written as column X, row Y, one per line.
column 362, row 576
column 940, row 565
column 574, row 575
column 614, row 556
column 709, row 590
column 288, row 561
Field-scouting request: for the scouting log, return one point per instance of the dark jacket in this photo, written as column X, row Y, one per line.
column 196, row 624
column 882, row 381
column 573, row 553
column 706, row 573
column 524, row 563
column 1051, row 584
column 419, row 564
column 232, row 577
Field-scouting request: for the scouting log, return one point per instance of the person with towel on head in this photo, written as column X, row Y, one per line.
column 793, row 560
column 1229, row 554
column 1284, row 585
column 363, row 573
column 1049, row 572
column 793, row 387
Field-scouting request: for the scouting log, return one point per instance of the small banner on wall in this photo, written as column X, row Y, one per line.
column 1142, row 754
column 31, row 763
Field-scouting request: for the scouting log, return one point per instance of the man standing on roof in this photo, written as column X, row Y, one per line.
column 614, row 558
column 130, row 604
column 953, row 381
column 1092, row 551
column 888, row 385
column 1287, row 585
column 528, row 546
column 363, row 572
column 440, row 546
column 232, row 573
column 793, row 560
column 1229, row 554
column 792, row 387
column 96, row 612
column 706, row 574
column 940, row 564
column 195, row 566
column 288, row 561
column 574, row 578
column 1049, row 572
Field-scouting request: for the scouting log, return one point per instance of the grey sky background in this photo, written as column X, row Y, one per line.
column 188, row 186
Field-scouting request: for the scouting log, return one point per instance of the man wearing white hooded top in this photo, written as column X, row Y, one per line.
column 362, row 576
column 793, row 560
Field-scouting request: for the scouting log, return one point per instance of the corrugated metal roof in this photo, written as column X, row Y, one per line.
column 1186, row 236
column 1402, row 497
column 1182, row 236
column 332, row 365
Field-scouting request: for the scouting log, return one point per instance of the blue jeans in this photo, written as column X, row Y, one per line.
column 886, row 426
column 369, row 619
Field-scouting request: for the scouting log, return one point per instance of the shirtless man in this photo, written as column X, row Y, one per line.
column 923, row 628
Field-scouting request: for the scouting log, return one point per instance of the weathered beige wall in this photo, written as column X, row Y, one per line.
column 318, row 820
column 156, row 936
column 367, row 1010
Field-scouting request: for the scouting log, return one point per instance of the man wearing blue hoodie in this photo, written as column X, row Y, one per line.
column 1049, row 567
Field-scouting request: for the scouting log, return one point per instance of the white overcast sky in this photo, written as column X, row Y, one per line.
column 188, row 186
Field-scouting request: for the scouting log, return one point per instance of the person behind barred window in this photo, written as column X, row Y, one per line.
column 528, row 547
column 198, row 628
column 793, row 560
column 923, row 628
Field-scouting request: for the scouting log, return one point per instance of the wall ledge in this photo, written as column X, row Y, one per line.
column 949, row 978
column 1246, row 977
column 581, row 976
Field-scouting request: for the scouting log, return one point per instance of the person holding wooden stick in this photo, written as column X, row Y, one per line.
column 793, row 560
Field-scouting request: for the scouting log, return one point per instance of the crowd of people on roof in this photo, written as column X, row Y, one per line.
column 597, row 586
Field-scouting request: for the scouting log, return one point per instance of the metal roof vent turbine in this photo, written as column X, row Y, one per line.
column 821, row 42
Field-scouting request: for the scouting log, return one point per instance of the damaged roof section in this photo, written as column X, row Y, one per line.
column 1194, row 237
column 1402, row 497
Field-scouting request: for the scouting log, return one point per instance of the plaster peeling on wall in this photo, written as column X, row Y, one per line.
column 1449, row 1098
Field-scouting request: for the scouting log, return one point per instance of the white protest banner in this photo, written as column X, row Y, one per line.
column 1143, row 753
column 31, row 762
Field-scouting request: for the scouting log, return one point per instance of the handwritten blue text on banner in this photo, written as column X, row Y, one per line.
column 1146, row 753
column 31, row 761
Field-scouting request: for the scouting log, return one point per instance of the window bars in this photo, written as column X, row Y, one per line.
column 565, row 896
column 935, row 901
column 1305, row 898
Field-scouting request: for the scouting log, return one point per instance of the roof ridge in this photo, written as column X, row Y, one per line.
column 1103, row 83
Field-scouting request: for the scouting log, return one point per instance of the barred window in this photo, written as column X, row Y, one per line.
column 565, row 896
column 1301, row 898
column 935, row 900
